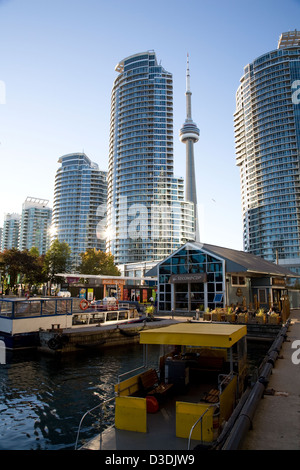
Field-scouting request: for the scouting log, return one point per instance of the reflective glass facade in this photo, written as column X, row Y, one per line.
column 267, row 133
column 80, row 190
column 35, row 225
column 11, row 231
column 206, row 288
column 140, row 173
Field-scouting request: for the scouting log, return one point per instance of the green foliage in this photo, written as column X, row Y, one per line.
column 97, row 262
column 22, row 267
column 27, row 267
column 57, row 260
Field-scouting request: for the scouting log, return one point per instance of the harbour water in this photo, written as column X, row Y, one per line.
column 42, row 398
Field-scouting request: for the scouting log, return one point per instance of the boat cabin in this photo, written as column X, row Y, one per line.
column 200, row 377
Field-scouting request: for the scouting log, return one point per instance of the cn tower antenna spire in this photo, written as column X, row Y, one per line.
column 189, row 135
column 188, row 84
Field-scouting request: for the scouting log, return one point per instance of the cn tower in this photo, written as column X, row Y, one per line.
column 189, row 134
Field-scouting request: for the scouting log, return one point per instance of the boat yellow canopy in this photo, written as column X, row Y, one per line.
column 195, row 334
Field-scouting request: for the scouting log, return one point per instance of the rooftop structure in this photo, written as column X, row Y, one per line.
column 289, row 39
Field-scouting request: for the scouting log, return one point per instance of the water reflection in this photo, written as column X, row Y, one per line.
column 43, row 398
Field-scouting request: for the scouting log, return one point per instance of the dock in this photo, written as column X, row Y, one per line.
column 276, row 422
column 68, row 340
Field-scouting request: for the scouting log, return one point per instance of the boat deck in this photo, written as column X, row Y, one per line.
column 161, row 428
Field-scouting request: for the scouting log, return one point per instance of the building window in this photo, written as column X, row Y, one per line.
column 198, row 292
column 238, row 281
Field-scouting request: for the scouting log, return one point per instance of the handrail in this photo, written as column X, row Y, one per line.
column 130, row 371
column 88, row 412
column 226, row 376
column 230, row 376
column 104, row 403
column 199, row 419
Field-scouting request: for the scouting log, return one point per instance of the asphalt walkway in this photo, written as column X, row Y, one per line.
column 276, row 423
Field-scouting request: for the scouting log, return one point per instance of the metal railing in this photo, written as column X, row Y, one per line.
column 223, row 379
column 20, row 308
column 201, row 421
column 101, row 406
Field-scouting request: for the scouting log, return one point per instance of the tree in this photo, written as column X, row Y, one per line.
column 57, row 260
column 34, row 273
column 11, row 263
column 98, row 262
column 22, row 267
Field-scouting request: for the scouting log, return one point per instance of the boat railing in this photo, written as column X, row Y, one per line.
column 223, row 381
column 121, row 376
column 200, row 419
column 21, row 308
column 101, row 406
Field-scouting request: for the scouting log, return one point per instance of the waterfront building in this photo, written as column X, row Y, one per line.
column 147, row 215
column 79, row 203
column 189, row 135
column 11, row 231
column 139, row 288
column 267, row 136
column 202, row 276
column 35, row 224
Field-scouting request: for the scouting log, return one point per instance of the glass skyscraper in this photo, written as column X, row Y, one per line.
column 147, row 215
column 35, row 225
column 79, row 197
column 11, row 231
column 267, row 136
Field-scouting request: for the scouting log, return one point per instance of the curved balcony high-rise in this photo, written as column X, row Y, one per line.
column 267, row 139
column 79, row 193
column 141, row 184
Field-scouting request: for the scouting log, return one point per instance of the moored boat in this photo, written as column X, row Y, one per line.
column 21, row 320
column 188, row 400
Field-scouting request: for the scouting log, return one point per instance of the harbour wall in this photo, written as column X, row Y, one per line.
column 63, row 341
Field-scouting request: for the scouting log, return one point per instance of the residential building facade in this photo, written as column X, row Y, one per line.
column 267, row 136
column 79, row 202
column 146, row 209
column 11, row 231
column 35, row 225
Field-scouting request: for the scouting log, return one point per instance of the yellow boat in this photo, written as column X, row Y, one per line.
column 189, row 399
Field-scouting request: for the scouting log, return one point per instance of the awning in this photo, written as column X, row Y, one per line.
column 195, row 334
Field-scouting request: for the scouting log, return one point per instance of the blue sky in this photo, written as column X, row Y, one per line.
column 57, row 64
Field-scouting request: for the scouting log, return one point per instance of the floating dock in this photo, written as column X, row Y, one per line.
column 68, row 340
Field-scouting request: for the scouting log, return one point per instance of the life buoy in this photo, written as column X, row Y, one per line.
column 84, row 304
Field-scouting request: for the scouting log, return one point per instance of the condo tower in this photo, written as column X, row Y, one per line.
column 147, row 216
column 267, row 139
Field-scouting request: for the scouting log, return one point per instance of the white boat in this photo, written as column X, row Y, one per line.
column 21, row 320
column 105, row 312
